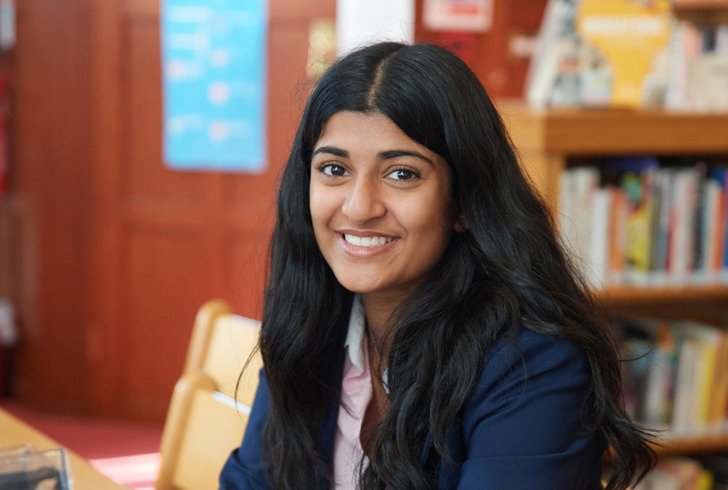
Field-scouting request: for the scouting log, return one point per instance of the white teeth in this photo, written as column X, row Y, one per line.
column 367, row 241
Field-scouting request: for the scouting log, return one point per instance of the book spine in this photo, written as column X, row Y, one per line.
column 724, row 261
column 599, row 255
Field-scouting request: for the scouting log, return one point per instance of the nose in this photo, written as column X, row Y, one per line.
column 364, row 201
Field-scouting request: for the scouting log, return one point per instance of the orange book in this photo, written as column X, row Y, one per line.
column 719, row 227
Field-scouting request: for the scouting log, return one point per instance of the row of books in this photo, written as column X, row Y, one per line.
column 628, row 53
column 644, row 221
column 706, row 473
column 698, row 67
column 675, row 375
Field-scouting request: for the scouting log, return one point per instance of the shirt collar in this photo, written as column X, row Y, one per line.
column 355, row 334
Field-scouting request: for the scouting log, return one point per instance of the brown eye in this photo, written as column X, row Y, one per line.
column 403, row 174
column 332, row 170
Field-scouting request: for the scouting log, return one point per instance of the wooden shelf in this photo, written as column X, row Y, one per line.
column 688, row 5
column 680, row 446
column 702, row 12
column 581, row 131
column 693, row 445
column 642, row 295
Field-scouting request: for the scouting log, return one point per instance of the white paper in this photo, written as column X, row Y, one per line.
column 360, row 23
column 458, row 15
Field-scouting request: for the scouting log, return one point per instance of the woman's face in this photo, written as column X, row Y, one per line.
column 380, row 204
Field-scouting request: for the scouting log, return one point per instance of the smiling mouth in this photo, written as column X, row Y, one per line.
column 367, row 241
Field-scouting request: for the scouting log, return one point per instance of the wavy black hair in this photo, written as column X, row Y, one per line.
column 506, row 271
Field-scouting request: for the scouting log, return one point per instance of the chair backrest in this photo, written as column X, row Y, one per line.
column 220, row 345
column 204, row 422
column 202, row 427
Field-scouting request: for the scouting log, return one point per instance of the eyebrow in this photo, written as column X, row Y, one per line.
column 383, row 155
column 331, row 150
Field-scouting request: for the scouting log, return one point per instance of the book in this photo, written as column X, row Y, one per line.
column 698, row 66
column 687, row 471
column 707, row 389
column 576, row 215
column 699, row 224
column 712, row 230
column 636, row 177
column 682, row 212
column 707, row 82
column 618, row 215
column 649, row 350
column 627, row 38
column 677, row 473
column 661, row 226
column 599, row 253
column 684, row 410
column 555, row 39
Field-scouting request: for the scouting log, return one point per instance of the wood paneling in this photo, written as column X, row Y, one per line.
column 162, row 294
column 169, row 240
column 51, row 190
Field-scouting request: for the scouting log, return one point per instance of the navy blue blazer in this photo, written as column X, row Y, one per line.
column 526, row 426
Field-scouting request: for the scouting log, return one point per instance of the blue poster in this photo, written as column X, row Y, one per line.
column 214, row 78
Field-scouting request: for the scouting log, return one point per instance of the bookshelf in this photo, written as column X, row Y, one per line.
column 626, row 295
column 547, row 139
column 708, row 443
column 680, row 6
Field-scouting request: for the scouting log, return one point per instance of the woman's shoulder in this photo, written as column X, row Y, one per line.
column 524, row 350
column 528, row 368
column 529, row 422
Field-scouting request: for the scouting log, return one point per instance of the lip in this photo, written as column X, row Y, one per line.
column 361, row 251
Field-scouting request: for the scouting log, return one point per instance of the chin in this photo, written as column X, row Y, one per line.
column 357, row 286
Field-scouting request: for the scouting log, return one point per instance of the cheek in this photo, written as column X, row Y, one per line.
column 431, row 215
column 321, row 207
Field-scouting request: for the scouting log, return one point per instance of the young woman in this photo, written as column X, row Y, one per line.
column 423, row 327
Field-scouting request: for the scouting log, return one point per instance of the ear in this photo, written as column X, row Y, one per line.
column 460, row 225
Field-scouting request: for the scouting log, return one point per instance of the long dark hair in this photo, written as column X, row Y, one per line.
column 506, row 271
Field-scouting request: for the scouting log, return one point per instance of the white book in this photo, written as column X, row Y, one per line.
column 658, row 479
column 544, row 67
column 681, row 239
column 599, row 250
column 677, row 73
column 684, row 47
column 721, row 39
column 685, row 389
column 583, row 182
column 708, row 82
column 707, row 340
column 710, row 232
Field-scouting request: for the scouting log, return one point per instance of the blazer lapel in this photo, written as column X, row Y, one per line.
column 328, row 427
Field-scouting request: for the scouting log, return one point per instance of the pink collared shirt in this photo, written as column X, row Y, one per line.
column 356, row 393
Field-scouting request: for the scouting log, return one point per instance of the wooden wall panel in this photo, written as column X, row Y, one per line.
column 52, row 167
column 245, row 253
column 166, row 276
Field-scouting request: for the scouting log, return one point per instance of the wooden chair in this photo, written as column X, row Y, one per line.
column 205, row 422
column 221, row 343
